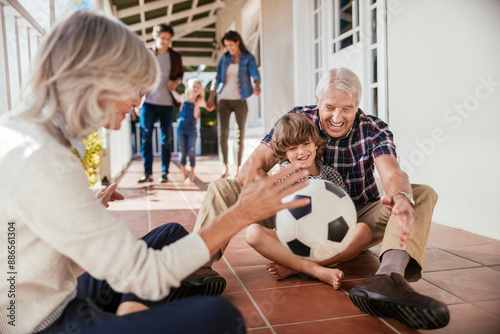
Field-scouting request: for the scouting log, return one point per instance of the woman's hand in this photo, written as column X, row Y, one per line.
column 210, row 102
column 109, row 194
column 261, row 197
column 256, row 89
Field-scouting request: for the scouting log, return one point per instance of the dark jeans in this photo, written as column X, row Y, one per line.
column 149, row 114
column 93, row 310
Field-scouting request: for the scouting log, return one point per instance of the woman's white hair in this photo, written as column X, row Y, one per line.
column 341, row 78
column 86, row 59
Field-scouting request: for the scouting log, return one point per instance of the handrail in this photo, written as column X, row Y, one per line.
column 27, row 16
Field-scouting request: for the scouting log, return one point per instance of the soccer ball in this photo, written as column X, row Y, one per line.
column 321, row 229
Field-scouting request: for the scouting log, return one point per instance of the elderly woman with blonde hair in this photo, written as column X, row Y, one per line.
column 87, row 75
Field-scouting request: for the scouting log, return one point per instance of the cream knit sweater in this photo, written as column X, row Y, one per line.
column 52, row 218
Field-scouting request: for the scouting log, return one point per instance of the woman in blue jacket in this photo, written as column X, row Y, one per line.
column 233, row 87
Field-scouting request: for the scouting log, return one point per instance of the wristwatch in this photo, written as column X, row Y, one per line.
column 408, row 197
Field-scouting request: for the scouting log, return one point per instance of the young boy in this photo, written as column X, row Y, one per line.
column 296, row 138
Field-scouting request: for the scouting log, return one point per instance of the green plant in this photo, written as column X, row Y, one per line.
column 93, row 144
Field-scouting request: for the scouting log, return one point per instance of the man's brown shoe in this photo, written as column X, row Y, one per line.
column 391, row 296
column 203, row 282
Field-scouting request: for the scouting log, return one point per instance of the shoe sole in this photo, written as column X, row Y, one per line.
column 417, row 315
column 212, row 287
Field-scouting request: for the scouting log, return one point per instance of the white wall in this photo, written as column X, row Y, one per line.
column 302, row 54
column 444, row 99
column 277, row 62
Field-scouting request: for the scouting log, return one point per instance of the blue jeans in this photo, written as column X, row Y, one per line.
column 93, row 310
column 186, row 146
column 149, row 114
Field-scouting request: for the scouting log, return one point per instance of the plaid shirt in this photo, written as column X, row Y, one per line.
column 326, row 173
column 353, row 155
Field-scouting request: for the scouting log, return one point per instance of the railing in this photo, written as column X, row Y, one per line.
column 20, row 35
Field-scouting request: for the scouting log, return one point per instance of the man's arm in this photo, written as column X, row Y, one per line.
column 396, row 180
column 259, row 199
column 263, row 160
column 177, row 71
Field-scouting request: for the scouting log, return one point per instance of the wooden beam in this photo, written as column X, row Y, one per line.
column 174, row 17
column 185, row 29
column 146, row 7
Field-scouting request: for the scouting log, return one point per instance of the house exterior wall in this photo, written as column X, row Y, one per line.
column 444, row 98
column 277, row 63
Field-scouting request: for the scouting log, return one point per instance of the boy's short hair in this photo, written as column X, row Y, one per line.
column 162, row 27
column 293, row 129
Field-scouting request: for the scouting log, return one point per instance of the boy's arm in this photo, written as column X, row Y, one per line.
column 362, row 238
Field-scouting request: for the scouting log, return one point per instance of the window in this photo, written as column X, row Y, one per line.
column 346, row 29
column 373, row 54
column 356, row 39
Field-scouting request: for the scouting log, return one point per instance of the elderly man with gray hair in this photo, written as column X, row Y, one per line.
column 357, row 144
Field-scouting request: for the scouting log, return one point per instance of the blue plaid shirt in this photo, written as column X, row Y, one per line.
column 353, row 155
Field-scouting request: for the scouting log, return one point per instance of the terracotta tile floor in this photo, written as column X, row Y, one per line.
column 461, row 269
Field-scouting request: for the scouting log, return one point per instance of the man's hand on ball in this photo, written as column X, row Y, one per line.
column 261, row 197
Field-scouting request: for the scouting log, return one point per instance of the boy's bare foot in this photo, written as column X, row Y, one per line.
column 338, row 275
column 278, row 272
column 331, row 276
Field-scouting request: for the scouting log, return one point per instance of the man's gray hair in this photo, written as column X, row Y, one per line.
column 86, row 59
column 341, row 78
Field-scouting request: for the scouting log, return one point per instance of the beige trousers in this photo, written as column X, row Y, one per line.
column 223, row 193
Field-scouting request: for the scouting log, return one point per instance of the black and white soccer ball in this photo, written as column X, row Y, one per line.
column 322, row 229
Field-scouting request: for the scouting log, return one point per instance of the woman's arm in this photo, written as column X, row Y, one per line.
column 254, row 72
column 215, row 84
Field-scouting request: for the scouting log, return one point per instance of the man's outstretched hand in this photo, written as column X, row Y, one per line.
column 402, row 209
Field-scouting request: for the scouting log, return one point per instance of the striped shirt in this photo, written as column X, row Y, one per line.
column 353, row 155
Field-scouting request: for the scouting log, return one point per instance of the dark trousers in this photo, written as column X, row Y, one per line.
column 149, row 114
column 240, row 108
column 93, row 310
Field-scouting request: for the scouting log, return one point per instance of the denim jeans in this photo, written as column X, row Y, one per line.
column 186, row 147
column 93, row 310
column 149, row 114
